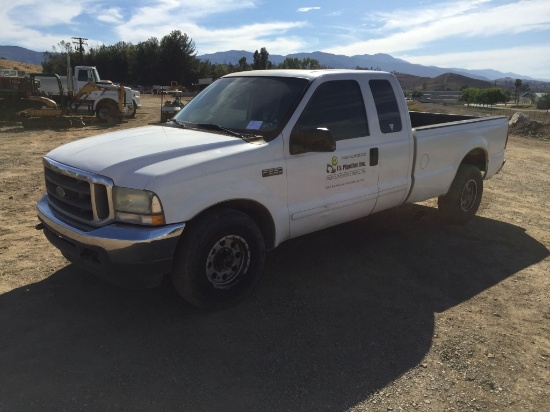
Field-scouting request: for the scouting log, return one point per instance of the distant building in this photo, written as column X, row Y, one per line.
column 447, row 97
column 530, row 97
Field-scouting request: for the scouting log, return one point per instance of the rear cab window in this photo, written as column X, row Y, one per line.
column 389, row 116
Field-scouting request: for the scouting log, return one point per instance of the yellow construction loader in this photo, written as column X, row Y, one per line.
column 44, row 111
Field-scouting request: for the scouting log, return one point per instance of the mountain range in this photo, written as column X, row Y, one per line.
column 376, row 61
column 380, row 61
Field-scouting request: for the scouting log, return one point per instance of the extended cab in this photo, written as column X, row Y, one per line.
column 255, row 159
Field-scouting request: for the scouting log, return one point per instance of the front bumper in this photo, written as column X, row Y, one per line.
column 127, row 255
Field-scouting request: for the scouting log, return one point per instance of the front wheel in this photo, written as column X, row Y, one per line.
column 219, row 259
column 105, row 110
column 462, row 201
column 132, row 111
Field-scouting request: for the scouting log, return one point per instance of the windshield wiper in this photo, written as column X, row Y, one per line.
column 213, row 126
column 180, row 124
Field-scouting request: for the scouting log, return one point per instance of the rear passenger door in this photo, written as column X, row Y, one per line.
column 393, row 138
column 329, row 188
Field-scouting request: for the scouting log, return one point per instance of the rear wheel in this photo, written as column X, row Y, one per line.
column 219, row 259
column 462, row 201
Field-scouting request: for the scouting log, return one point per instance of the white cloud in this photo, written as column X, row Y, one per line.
column 399, row 32
column 402, row 19
column 111, row 15
column 22, row 23
column 306, row 9
column 250, row 37
column 41, row 13
column 180, row 13
column 160, row 19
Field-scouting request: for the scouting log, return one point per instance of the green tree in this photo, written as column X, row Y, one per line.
column 261, row 60
column 517, row 85
column 178, row 59
column 544, row 102
column 310, row 64
column 508, row 94
column 219, row 70
column 112, row 61
column 56, row 60
column 291, row 63
column 295, row 63
column 470, row 95
column 243, row 65
column 493, row 95
column 376, row 69
column 214, row 71
column 146, row 62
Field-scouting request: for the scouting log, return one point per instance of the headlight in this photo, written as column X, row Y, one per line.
column 137, row 206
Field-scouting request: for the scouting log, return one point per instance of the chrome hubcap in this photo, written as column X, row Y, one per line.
column 228, row 259
column 469, row 195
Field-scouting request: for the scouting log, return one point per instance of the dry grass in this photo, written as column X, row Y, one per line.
column 23, row 67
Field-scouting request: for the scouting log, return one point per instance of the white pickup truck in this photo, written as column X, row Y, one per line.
column 255, row 159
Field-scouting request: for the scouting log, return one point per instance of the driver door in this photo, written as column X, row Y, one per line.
column 327, row 188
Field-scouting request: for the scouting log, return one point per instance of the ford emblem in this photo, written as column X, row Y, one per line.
column 60, row 192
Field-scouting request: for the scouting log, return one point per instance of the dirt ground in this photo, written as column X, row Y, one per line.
column 396, row 311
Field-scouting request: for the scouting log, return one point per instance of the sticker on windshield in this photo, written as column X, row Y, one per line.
column 254, row 125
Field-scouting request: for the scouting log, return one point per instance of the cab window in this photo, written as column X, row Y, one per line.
column 337, row 105
column 389, row 116
column 83, row 75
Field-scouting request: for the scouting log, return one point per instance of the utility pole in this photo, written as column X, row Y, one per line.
column 81, row 44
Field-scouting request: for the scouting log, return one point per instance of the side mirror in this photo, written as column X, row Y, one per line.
column 312, row 140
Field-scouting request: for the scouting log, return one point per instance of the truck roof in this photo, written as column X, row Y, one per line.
column 307, row 74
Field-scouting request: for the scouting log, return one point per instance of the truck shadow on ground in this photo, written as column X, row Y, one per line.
column 339, row 314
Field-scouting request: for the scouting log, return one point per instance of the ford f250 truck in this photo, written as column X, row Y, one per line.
column 255, row 159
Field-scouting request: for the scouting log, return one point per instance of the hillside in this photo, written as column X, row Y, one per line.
column 23, row 67
column 447, row 81
column 21, row 54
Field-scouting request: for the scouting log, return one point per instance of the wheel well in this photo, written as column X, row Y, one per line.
column 478, row 158
column 256, row 211
column 105, row 103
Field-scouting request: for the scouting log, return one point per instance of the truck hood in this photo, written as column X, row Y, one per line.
column 133, row 157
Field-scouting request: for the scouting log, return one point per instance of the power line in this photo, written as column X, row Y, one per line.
column 81, row 44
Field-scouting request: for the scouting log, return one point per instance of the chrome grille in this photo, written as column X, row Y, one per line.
column 80, row 195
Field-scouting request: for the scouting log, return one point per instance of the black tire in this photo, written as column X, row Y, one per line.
column 106, row 110
column 219, row 259
column 462, row 200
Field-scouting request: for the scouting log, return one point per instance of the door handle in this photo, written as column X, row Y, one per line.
column 373, row 156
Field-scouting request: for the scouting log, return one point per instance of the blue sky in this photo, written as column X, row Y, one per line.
column 505, row 35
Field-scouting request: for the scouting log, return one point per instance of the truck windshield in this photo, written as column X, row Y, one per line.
column 250, row 105
column 95, row 75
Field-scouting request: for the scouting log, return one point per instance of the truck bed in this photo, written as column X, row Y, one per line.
column 420, row 119
column 441, row 142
